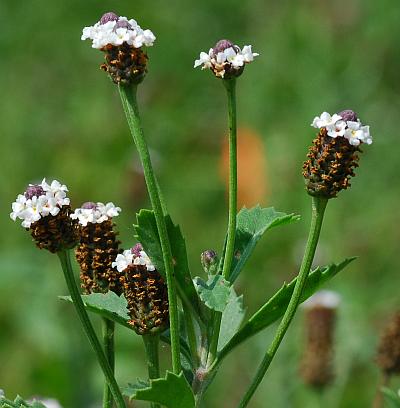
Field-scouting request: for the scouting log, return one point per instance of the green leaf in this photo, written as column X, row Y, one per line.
column 108, row 305
column 173, row 391
column 147, row 234
column 277, row 304
column 232, row 318
column 392, row 399
column 19, row 403
column 114, row 307
column 251, row 225
column 214, row 293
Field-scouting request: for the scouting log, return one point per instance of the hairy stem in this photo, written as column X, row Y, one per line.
column 230, row 86
column 318, row 209
column 108, row 344
column 153, row 363
column 87, row 326
column 129, row 102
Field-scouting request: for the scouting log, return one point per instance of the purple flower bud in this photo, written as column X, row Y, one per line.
column 122, row 24
column 89, row 205
column 222, row 45
column 136, row 249
column 348, row 115
column 34, row 190
column 209, row 261
column 110, row 16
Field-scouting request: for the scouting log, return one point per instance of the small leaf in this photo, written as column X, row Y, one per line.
column 214, row 293
column 277, row 304
column 19, row 403
column 147, row 235
column 232, row 318
column 251, row 225
column 173, row 391
column 108, row 305
column 392, row 398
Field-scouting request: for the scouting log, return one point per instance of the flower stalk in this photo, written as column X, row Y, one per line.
column 65, row 261
column 153, row 363
column 230, row 86
column 108, row 344
column 318, row 210
column 129, row 102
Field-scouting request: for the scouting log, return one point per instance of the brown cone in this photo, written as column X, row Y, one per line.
column 147, row 296
column 316, row 366
column 388, row 356
column 330, row 165
column 125, row 64
column 97, row 250
column 55, row 232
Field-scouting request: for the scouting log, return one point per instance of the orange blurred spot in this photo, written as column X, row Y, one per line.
column 253, row 187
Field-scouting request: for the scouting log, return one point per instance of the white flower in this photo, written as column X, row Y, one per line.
column 338, row 129
column 122, row 261
column 354, row 134
column 98, row 214
column 325, row 120
column 117, row 32
column 233, row 56
column 127, row 258
column 323, row 298
column 30, row 210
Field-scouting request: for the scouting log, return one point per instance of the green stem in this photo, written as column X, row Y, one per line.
column 153, row 363
column 230, row 86
column 108, row 344
column 129, row 102
column 87, row 326
column 191, row 334
column 318, row 209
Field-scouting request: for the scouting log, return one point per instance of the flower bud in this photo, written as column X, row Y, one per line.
column 145, row 292
column 334, row 154
column 209, row 261
column 98, row 247
column 44, row 210
column 316, row 366
column 110, row 16
column 388, row 355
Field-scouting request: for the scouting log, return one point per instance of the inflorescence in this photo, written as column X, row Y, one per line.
column 226, row 60
column 121, row 40
column 44, row 210
column 333, row 155
column 145, row 291
column 98, row 247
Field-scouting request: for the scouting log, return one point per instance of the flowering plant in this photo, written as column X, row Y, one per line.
column 149, row 288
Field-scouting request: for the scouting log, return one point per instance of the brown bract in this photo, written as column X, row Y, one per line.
column 388, row 356
column 125, row 64
column 330, row 165
column 97, row 250
column 147, row 297
column 55, row 232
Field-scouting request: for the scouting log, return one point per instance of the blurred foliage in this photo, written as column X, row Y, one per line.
column 61, row 118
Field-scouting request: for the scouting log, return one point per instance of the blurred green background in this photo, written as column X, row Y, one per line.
column 61, row 118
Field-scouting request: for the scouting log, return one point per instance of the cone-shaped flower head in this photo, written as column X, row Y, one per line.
column 226, row 60
column 317, row 362
column 122, row 41
column 334, row 153
column 388, row 356
column 44, row 210
column 144, row 290
column 98, row 247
